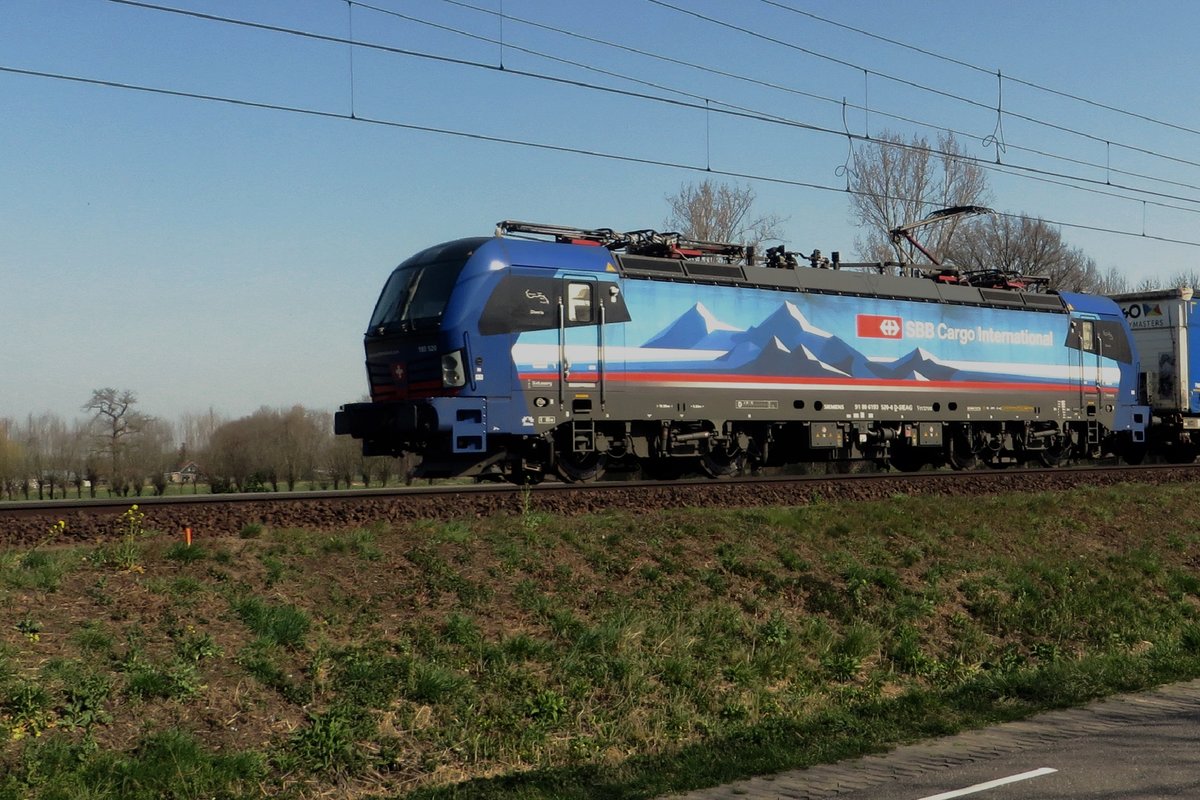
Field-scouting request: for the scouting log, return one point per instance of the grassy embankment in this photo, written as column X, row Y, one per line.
column 604, row 656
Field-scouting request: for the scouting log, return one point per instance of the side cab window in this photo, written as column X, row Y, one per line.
column 579, row 303
column 1104, row 337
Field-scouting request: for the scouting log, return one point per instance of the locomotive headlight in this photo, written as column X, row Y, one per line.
column 453, row 374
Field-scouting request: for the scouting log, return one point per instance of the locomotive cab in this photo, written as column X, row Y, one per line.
column 418, row 365
column 407, row 356
column 449, row 384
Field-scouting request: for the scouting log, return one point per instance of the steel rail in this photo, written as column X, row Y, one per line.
column 23, row 523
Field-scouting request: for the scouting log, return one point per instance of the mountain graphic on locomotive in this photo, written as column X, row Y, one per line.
column 548, row 350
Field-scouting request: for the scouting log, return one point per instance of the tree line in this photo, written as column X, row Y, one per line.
column 894, row 181
column 120, row 450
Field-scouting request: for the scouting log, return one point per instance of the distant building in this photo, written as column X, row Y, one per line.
column 188, row 472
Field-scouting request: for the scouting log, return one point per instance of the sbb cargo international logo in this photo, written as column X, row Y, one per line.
column 875, row 326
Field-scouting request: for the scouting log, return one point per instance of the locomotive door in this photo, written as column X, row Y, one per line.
column 581, row 345
column 1087, row 369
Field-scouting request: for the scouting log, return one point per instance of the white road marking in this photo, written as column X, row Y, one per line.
column 983, row 787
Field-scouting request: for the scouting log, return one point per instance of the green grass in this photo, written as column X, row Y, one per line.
column 283, row 625
column 166, row 764
column 611, row 655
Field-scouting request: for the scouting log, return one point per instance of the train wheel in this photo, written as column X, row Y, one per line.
column 1054, row 456
column 959, row 454
column 723, row 464
column 580, row 467
column 1178, row 453
column 1134, row 454
column 907, row 459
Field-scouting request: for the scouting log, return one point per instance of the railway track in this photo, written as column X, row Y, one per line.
column 25, row 523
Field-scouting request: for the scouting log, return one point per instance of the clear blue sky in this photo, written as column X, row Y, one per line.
column 210, row 255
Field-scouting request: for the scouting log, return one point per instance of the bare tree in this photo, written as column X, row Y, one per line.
column 893, row 182
column 77, row 455
column 381, row 468
column 1113, row 281
column 33, row 447
column 342, row 459
column 270, row 445
column 1189, row 278
column 116, row 423
column 150, row 456
column 62, row 447
column 1182, row 278
column 12, row 460
column 270, row 451
column 91, row 468
column 231, row 457
column 1026, row 246
column 197, row 429
column 719, row 212
column 43, row 439
column 300, row 435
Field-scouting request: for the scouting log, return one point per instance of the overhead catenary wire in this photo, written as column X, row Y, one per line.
column 529, row 51
column 467, row 62
column 985, row 70
column 913, row 84
column 757, row 115
column 546, row 146
column 701, row 104
column 842, row 102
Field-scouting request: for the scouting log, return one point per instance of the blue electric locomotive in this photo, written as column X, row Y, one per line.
column 551, row 350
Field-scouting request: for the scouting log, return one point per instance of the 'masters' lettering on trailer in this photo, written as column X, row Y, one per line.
column 1145, row 315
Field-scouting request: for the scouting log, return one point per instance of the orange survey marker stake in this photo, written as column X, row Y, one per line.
column 187, row 535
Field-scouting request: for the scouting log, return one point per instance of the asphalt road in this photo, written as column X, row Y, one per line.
column 1133, row 747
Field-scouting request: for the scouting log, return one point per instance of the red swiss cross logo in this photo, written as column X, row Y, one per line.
column 875, row 326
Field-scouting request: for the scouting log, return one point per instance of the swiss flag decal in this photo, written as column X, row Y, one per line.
column 874, row 326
